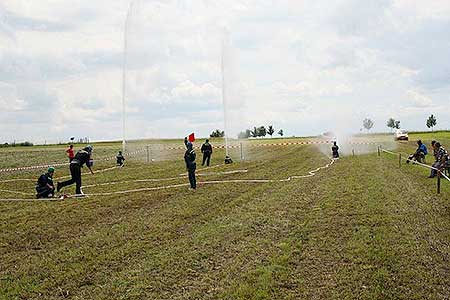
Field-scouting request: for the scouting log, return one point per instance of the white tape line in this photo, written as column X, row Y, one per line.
column 183, row 148
column 310, row 174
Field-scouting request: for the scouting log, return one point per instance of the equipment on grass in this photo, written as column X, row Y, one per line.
column 228, row 160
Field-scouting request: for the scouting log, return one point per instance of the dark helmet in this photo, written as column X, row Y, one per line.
column 433, row 142
column 437, row 144
column 419, row 142
column 88, row 148
column 207, row 140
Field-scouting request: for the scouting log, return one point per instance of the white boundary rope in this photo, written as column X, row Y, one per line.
column 290, row 178
column 182, row 148
column 418, row 163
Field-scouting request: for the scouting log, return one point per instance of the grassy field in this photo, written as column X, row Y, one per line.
column 364, row 228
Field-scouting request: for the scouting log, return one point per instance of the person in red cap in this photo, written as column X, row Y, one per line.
column 70, row 153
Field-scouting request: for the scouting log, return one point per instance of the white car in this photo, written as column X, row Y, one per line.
column 401, row 135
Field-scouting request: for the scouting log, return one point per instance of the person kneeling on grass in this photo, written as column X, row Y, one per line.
column 82, row 157
column 441, row 159
column 44, row 185
column 420, row 153
column 189, row 158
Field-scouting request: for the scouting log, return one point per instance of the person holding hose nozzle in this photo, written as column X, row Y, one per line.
column 441, row 159
column 82, row 157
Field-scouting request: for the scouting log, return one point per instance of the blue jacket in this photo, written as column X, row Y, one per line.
column 422, row 148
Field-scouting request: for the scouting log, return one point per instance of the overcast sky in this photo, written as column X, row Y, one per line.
column 304, row 66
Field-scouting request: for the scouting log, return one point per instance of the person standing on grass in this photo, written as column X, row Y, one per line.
column 441, row 159
column 207, row 151
column 82, row 157
column 335, row 150
column 120, row 159
column 70, row 153
column 44, row 186
column 189, row 159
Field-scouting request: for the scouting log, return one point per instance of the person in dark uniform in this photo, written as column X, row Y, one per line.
column 120, row 159
column 335, row 150
column 82, row 157
column 207, row 151
column 441, row 160
column 44, row 186
column 189, row 158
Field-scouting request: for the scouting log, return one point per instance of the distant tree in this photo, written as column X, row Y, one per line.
column 254, row 132
column 431, row 122
column 245, row 134
column 217, row 133
column 397, row 124
column 280, row 132
column 391, row 123
column 261, row 131
column 367, row 123
column 270, row 130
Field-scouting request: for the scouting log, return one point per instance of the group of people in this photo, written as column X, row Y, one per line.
column 189, row 159
column 441, row 157
column 45, row 187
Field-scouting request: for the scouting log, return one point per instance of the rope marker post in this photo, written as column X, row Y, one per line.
column 148, row 153
column 353, row 151
column 378, row 149
column 400, row 160
column 242, row 153
column 438, row 182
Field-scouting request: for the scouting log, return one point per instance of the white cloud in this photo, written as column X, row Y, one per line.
column 419, row 100
column 304, row 65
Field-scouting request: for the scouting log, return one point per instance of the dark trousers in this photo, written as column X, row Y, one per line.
column 192, row 180
column 436, row 165
column 207, row 158
column 75, row 172
column 44, row 192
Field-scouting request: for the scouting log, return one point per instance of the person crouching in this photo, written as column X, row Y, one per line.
column 189, row 158
column 44, row 185
column 420, row 153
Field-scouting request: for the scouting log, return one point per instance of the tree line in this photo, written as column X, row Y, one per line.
column 395, row 124
column 260, row 131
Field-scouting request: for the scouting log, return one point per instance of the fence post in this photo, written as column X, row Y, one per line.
column 353, row 151
column 378, row 149
column 438, row 182
column 399, row 160
column 148, row 153
column 242, row 153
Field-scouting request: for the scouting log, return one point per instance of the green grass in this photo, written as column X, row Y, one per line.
column 362, row 229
